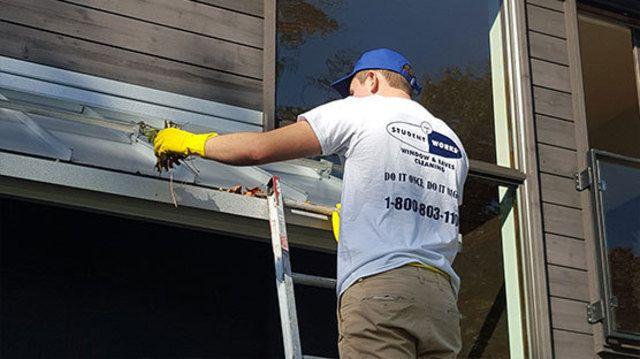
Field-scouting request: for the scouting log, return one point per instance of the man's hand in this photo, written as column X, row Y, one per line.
column 180, row 142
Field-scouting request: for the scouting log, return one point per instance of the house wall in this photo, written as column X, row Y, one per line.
column 560, row 155
column 209, row 49
column 213, row 49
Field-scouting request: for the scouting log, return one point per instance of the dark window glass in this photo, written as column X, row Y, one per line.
column 611, row 95
column 448, row 42
column 87, row 285
column 482, row 299
column 621, row 211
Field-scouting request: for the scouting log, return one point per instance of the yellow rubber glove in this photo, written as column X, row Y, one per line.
column 177, row 141
column 335, row 222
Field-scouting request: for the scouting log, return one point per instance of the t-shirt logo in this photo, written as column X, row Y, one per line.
column 424, row 138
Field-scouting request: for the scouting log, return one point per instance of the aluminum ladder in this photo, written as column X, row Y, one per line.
column 284, row 277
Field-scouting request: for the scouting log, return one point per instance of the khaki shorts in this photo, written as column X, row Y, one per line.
column 407, row 312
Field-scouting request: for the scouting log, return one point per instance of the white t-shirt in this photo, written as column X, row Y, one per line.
column 403, row 179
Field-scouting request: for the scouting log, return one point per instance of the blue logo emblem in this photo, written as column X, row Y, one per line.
column 423, row 138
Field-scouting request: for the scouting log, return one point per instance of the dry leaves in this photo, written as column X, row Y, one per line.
column 165, row 161
column 249, row 192
column 168, row 161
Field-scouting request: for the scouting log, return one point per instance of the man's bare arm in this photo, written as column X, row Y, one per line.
column 250, row 148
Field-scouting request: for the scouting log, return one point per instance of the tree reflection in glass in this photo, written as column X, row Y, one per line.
column 319, row 40
column 621, row 207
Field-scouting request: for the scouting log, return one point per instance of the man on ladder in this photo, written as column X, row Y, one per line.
column 403, row 182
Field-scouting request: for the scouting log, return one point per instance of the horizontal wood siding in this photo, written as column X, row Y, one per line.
column 549, row 4
column 558, row 162
column 548, row 48
column 570, row 315
column 552, row 103
column 546, row 21
column 186, row 47
column 559, row 190
column 250, row 7
column 571, row 345
column 568, row 283
column 566, row 251
column 550, row 75
column 189, row 16
column 556, row 132
column 563, row 220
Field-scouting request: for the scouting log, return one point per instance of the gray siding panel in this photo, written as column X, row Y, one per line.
column 557, row 161
column 570, row 345
column 548, row 48
column 126, row 33
column 552, row 103
column 122, row 65
column 552, row 131
column 550, row 75
column 561, row 220
column 568, row 283
column 188, row 15
column 546, row 21
column 253, row 7
column 565, row 251
column 550, row 4
column 184, row 46
column 559, row 190
column 570, row 315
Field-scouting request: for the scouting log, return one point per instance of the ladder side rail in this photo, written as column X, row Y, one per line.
column 284, row 280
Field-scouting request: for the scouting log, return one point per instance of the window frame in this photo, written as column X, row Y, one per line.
column 532, row 288
column 598, row 313
column 603, row 309
column 623, row 7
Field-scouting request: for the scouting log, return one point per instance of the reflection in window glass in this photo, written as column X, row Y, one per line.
column 482, row 300
column 611, row 94
column 319, row 40
column 621, row 207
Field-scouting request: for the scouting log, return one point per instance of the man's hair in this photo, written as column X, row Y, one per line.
column 394, row 79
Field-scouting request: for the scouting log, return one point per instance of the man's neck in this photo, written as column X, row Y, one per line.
column 393, row 92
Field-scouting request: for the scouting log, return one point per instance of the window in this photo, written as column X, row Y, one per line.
column 611, row 92
column 626, row 7
column 458, row 49
column 488, row 227
column 610, row 66
column 617, row 202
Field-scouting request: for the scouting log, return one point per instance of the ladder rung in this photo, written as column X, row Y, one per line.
column 313, row 281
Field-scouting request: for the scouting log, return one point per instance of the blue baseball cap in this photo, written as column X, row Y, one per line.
column 379, row 59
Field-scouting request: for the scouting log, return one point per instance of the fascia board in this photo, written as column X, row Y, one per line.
column 123, row 184
column 149, row 198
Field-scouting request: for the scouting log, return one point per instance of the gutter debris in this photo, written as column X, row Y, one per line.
column 168, row 161
column 165, row 161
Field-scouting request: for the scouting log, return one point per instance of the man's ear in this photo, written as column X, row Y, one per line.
column 375, row 81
